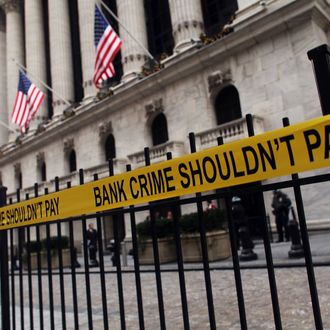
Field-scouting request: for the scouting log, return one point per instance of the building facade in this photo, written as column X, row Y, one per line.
column 218, row 61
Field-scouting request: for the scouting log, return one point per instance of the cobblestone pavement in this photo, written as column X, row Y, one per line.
column 292, row 285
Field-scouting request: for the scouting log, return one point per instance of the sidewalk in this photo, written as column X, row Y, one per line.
column 292, row 288
column 319, row 245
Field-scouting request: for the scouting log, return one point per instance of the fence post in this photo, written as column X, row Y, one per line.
column 4, row 273
column 320, row 57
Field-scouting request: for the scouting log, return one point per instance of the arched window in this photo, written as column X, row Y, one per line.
column 217, row 13
column 72, row 161
column 159, row 27
column 227, row 105
column 43, row 172
column 159, row 130
column 18, row 176
column 110, row 148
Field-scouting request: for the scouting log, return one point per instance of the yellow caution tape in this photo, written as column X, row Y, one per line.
column 293, row 149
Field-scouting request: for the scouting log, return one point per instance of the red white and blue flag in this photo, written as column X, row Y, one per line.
column 27, row 103
column 107, row 45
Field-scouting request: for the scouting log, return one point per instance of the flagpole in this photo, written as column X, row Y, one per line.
column 8, row 127
column 129, row 33
column 41, row 82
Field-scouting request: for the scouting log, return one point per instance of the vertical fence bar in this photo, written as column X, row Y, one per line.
column 13, row 255
column 115, row 219
column 4, row 272
column 86, row 263
column 20, row 253
column 320, row 57
column 13, row 268
column 50, row 275
column 28, row 237
column 102, row 274
column 206, row 266
column 60, row 262
column 267, row 246
column 307, row 249
column 136, row 264
column 234, row 253
column 156, row 256
column 74, row 263
column 41, row 305
column 183, row 292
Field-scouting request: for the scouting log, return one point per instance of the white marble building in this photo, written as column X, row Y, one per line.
column 260, row 67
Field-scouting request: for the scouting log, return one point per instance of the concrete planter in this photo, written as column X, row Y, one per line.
column 166, row 248
column 43, row 258
column 218, row 245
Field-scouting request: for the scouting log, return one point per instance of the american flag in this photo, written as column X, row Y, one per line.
column 27, row 103
column 107, row 45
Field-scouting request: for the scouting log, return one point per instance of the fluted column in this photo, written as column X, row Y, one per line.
column 187, row 22
column 60, row 54
column 3, row 77
column 86, row 26
column 35, row 52
column 131, row 14
column 15, row 50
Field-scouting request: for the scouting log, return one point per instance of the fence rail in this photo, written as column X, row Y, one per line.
column 31, row 286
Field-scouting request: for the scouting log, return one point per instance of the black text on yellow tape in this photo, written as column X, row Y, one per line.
column 301, row 147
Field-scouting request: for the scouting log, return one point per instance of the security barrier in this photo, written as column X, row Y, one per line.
column 25, row 295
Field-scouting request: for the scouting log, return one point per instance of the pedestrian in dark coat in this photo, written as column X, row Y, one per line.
column 281, row 205
column 91, row 236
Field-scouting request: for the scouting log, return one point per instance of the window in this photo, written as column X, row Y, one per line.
column 72, row 161
column 159, row 27
column 18, row 180
column 112, row 5
column 217, row 13
column 159, row 130
column 43, row 172
column 110, row 149
column 227, row 105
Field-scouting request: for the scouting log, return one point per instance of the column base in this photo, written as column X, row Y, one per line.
column 187, row 44
column 129, row 77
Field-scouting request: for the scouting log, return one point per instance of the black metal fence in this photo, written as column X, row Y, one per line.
column 33, row 297
column 36, row 297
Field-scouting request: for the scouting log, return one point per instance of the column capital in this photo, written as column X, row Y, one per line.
column 10, row 5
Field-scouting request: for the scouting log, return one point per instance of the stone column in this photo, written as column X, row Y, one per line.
column 131, row 14
column 15, row 50
column 86, row 25
column 60, row 54
column 187, row 22
column 36, row 53
column 3, row 78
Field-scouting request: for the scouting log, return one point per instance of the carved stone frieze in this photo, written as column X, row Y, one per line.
column 68, row 144
column 105, row 128
column 188, row 24
column 218, row 78
column 10, row 5
column 132, row 58
column 17, row 169
column 40, row 158
column 154, row 107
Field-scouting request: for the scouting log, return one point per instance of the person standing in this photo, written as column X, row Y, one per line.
column 91, row 236
column 281, row 205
